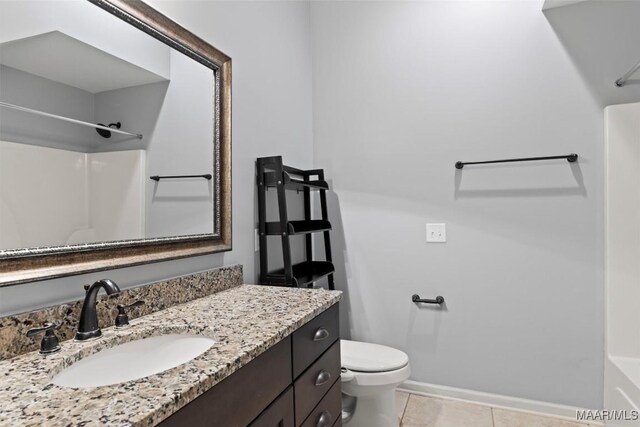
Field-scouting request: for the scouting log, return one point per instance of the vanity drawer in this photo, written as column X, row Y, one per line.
column 278, row 414
column 313, row 338
column 328, row 411
column 242, row 396
column 316, row 381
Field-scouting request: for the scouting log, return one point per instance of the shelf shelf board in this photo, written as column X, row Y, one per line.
column 304, row 273
column 298, row 227
column 293, row 183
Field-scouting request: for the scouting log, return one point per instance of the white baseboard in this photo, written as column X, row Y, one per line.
column 494, row 400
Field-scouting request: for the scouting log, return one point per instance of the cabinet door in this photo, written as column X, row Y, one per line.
column 279, row 413
column 243, row 395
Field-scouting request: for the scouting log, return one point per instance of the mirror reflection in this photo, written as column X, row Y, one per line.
column 90, row 110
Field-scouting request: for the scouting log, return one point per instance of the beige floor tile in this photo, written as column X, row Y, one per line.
column 505, row 418
column 424, row 411
column 401, row 402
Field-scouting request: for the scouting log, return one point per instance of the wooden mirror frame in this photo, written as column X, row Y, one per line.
column 29, row 264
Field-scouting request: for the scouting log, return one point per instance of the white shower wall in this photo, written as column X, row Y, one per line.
column 42, row 195
column 622, row 365
column 48, row 196
column 117, row 194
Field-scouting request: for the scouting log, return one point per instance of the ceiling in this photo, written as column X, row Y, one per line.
column 601, row 38
column 550, row 4
column 64, row 59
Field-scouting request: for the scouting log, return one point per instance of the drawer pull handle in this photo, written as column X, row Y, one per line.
column 324, row 420
column 323, row 378
column 321, row 334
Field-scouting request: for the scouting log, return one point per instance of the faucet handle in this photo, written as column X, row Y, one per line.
column 50, row 343
column 122, row 319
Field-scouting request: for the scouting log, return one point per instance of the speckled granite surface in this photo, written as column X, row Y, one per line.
column 157, row 296
column 245, row 320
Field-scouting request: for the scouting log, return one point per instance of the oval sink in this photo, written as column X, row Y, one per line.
column 133, row 360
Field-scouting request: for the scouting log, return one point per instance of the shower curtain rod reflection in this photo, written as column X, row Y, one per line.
column 67, row 119
column 207, row 176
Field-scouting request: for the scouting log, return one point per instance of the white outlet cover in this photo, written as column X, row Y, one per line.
column 436, row 233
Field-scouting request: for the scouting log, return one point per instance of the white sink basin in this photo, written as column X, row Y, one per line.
column 133, row 360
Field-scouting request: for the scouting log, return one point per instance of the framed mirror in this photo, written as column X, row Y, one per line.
column 115, row 139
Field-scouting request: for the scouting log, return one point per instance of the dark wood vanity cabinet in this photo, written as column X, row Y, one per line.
column 294, row 383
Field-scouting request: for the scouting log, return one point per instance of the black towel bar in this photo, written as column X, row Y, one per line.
column 159, row 177
column 438, row 300
column 570, row 158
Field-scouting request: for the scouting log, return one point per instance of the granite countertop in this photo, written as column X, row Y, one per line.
column 245, row 321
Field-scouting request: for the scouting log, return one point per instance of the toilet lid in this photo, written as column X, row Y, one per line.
column 368, row 357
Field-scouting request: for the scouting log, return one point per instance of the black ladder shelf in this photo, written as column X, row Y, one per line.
column 273, row 174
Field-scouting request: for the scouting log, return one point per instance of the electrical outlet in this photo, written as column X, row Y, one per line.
column 436, row 233
column 256, row 240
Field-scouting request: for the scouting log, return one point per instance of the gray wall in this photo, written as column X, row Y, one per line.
column 403, row 90
column 270, row 46
column 400, row 92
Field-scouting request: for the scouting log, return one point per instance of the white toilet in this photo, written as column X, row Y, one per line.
column 370, row 375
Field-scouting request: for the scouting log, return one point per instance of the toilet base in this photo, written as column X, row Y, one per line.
column 377, row 410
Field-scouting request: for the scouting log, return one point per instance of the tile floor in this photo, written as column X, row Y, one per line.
column 421, row 411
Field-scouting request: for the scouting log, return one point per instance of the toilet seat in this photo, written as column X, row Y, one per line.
column 368, row 381
column 371, row 358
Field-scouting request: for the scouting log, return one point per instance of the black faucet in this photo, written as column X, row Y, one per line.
column 88, row 327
